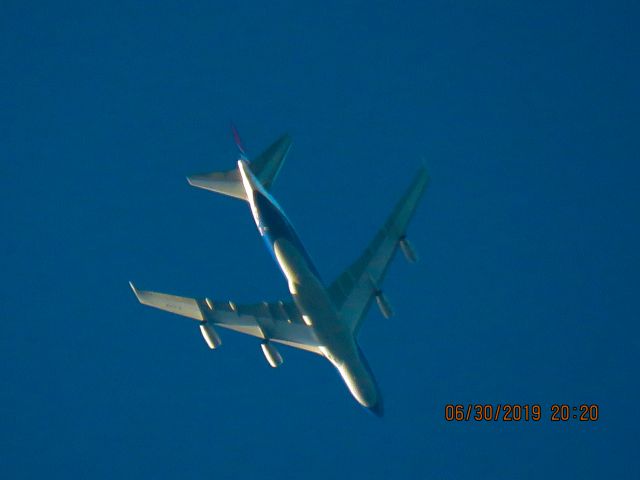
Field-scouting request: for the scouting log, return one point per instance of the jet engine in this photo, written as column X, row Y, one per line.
column 272, row 354
column 383, row 304
column 408, row 250
column 210, row 335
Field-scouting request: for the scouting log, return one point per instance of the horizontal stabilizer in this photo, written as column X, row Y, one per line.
column 265, row 167
column 227, row 183
column 187, row 307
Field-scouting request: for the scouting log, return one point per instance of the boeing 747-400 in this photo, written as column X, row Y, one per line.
column 321, row 319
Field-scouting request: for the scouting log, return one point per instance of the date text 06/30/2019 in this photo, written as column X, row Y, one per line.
column 516, row 412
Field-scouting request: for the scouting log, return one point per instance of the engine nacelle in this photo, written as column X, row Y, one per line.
column 210, row 336
column 408, row 250
column 272, row 354
column 384, row 305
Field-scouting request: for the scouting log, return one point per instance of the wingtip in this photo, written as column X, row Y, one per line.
column 135, row 290
column 423, row 172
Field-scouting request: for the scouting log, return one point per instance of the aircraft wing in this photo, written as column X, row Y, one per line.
column 354, row 290
column 277, row 321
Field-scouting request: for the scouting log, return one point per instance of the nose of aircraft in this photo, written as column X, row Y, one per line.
column 378, row 408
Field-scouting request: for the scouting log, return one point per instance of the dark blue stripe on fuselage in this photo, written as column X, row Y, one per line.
column 274, row 225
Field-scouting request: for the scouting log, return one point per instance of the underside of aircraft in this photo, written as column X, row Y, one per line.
column 323, row 319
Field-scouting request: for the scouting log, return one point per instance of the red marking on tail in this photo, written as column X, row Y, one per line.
column 236, row 138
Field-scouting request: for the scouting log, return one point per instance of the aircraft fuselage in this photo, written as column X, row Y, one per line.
column 309, row 293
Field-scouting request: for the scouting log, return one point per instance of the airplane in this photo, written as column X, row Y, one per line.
column 321, row 319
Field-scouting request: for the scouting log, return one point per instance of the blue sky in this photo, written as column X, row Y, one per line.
column 526, row 115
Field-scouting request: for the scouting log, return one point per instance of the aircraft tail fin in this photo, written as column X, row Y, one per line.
column 265, row 167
